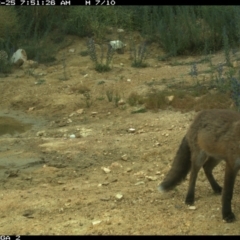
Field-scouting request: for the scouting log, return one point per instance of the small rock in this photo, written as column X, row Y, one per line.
column 139, row 183
column 96, row 222
column 131, row 130
column 117, row 44
column 106, row 170
column 151, row 178
column 121, row 64
column 120, row 30
column 119, row 196
column 105, row 198
column 121, row 102
column 192, row 207
column 169, row 98
column 60, row 182
column 93, row 113
column 61, row 210
column 72, row 136
column 129, row 169
column 115, row 165
column 105, row 183
column 28, row 213
column 85, row 75
column 31, row 109
column 128, row 80
column 19, row 57
column 124, row 157
column 40, row 134
column 235, row 64
column 71, row 50
column 69, row 120
column 79, row 111
column 72, row 114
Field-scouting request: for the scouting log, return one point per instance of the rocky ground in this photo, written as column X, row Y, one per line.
column 73, row 164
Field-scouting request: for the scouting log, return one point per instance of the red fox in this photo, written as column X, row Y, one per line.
column 213, row 136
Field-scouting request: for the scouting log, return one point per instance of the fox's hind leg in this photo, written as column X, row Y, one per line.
column 198, row 158
column 229, row 179
column 208, row 168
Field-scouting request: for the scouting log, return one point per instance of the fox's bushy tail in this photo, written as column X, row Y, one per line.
column 180, row 167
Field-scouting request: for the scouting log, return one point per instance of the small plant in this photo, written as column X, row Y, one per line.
column 155, row 100
column 226, row 47
column 116, row 99
column 64, row 78
column 100, row 66
column 135, row 99
column 140, row 110
column 5, row 65
column 109, row 94
column 88, row 99
column 193, row 71
column 84, row 53
column 139, row 56
column 235, row 90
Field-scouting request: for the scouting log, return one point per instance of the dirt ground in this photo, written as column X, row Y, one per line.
column 78, row 168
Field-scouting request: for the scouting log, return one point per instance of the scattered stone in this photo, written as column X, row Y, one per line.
column 85, row 75
column 30, row 64
column 19, row 57
column 96, row 222
column 120, row 30
column 129, row 169
column 61, row 210
column 128, row 80
column 106, row 170
column 60, row 182
column 119, row 196
column 69, row 120
column 139, row 183
column 80, row 111
column 192, row 207
column 235, row 64
column 40, row 134
column 31, row 109
column 93, row 114
column 121, row 102
column 72, row 136
column 121, row 64
column 124, row 157
column 131, row 130
column 169, row 98
column 28, row 213
column 105, row 183
column 151, row 178
column 105, row 199
column 117, row 44
column 71, row 50
column 115, row 165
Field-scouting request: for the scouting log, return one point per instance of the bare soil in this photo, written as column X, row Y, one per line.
column 55, row 183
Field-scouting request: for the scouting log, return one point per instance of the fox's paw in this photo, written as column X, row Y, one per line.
column 229, row 218
column 218, row 190
column 189, row 201
column 161, row 189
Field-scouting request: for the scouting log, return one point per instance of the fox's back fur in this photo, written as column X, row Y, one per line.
column 214, row 135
